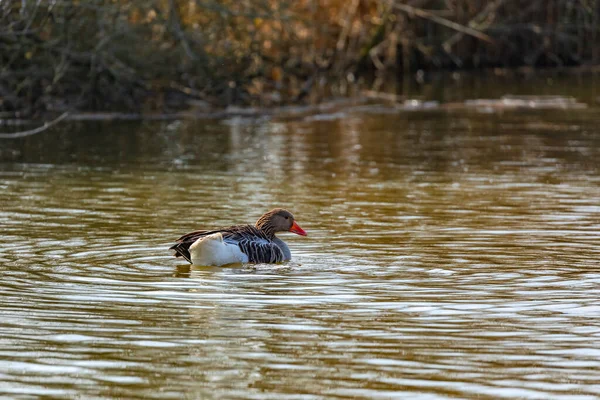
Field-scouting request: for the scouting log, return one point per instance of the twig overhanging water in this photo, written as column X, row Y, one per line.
column 40, row 129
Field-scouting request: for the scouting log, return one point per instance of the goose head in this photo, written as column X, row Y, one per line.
column 279, row 220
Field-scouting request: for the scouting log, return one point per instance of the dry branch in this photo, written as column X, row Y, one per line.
column 40, row 129
column 443, row 21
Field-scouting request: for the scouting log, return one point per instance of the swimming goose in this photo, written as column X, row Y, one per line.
column 240, row 243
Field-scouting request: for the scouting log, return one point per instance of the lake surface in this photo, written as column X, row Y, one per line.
column 451, row 254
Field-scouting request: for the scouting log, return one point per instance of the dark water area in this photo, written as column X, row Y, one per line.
column 451, row 254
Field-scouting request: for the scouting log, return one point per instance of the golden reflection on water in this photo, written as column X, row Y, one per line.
column 449, row 255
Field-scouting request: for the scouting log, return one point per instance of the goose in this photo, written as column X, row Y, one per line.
column 240, row 243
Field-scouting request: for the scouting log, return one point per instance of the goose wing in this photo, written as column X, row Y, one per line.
column 260, row 250
column 252, row 241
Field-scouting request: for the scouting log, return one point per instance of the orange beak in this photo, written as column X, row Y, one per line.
column 297, row 230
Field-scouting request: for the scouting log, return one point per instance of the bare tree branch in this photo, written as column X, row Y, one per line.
column 47, row 125
column 443, row 21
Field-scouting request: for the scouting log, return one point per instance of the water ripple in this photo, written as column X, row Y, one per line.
column 436, row 266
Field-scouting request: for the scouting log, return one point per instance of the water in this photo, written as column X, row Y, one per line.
column 450, row 255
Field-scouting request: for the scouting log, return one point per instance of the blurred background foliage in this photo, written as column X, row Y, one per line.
column 165, row 55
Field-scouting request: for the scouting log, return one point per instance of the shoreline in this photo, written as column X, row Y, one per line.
column 376, row 102
column 417, row 98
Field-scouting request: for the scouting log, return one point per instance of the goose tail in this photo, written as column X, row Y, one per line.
column 182, row 249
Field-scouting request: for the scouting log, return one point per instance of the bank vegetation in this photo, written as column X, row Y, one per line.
column 163, row 55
